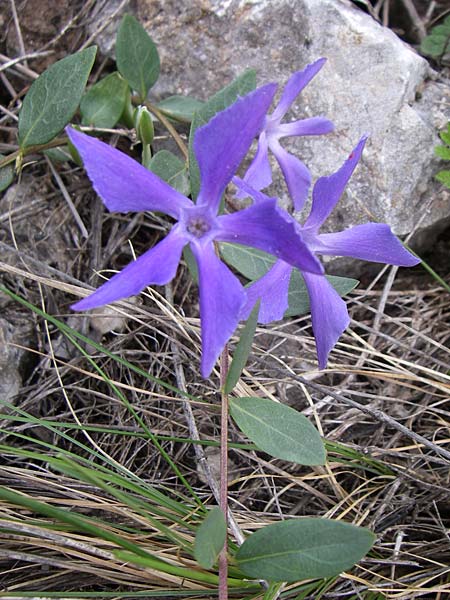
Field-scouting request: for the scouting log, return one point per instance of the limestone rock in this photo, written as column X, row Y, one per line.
column 15, row 334
column 372, row 83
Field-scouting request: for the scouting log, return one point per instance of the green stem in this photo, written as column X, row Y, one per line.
column 146, row 155
column 7, row 160
column 430, row 270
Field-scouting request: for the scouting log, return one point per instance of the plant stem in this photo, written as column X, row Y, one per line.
column 223, row 560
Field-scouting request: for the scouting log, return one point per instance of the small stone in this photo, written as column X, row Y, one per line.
column 106, row 319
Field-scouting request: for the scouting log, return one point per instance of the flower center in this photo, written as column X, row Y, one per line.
column 198, row 226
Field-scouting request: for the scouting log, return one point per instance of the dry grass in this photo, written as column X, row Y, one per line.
column 382, row 406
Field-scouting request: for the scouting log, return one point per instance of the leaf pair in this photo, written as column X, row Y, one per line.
column 291, row 550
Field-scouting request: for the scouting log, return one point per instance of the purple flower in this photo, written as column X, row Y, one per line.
column 372, row 241
column 219, row 147
column 296, row 174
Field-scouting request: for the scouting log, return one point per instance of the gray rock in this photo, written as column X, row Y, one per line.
column 15, row 333
column 372, row 83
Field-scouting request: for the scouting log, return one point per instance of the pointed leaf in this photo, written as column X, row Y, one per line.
column 444, row 177
column 300, row 549
column 241, row 86
column 61, row 154
column 54, row 97
column 442, row 152
column 437, row 43
column 6, row 175
column 298, row 294
column 180, row 108
column 103, row 103
column 171, row 169
column 445, row 135
column 136, row 56
column 242, row 350
column 250, row 262
column 253, row 264
column 191, row 263
column 278, row 430
column 210, row 538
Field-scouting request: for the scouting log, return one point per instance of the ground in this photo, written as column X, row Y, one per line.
column 99, row 396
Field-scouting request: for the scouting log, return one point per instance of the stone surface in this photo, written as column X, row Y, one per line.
column 16, row 333
column 372, row 83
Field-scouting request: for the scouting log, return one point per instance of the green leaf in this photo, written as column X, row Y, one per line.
column 54, row 97
column 445, row 135
column 301, row 549
column 170, row 168
column 58, row 155
column 103, row 104
column 437, row 43
column 242, row 350
column 180, row 108
column 278, row 430
column 444, row 177
column 298, row 297
column 241, row 86
column 6, row 175
column 136, row 56
column 250, row 262
column 442, row 152
column 210, row 538
column 253, row 264
column 191, row 263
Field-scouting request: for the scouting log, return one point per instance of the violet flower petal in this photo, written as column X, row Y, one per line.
column 222, row 144
column 328, row 190
column 157, row 266
column 248, row 190
column 123, row 184
column 374, row 242
column 294, row 86
column 259, row 173
column 296, row 174
column 222, row 297
column 312, row 126
column 272, row 290
column 267, row 227
column 329, row 314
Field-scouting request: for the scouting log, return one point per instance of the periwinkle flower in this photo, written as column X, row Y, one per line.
column 371, row 241
column 296, row 174
column 219, row 147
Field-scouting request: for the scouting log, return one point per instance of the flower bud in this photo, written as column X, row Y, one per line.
column 143, row 124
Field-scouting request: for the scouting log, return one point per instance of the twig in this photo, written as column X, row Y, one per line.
column 68, row 199
column 415, row 18
column 8, row 63
column 104, row 24
column 18, row 30
column 373, row 412
column 170, row 128
column 20, row 68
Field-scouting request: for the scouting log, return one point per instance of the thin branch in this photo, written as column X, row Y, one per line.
column 373, row 412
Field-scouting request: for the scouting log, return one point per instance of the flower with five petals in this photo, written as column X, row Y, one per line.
column 296, row 174
column 219, row 147
column 371, row 241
